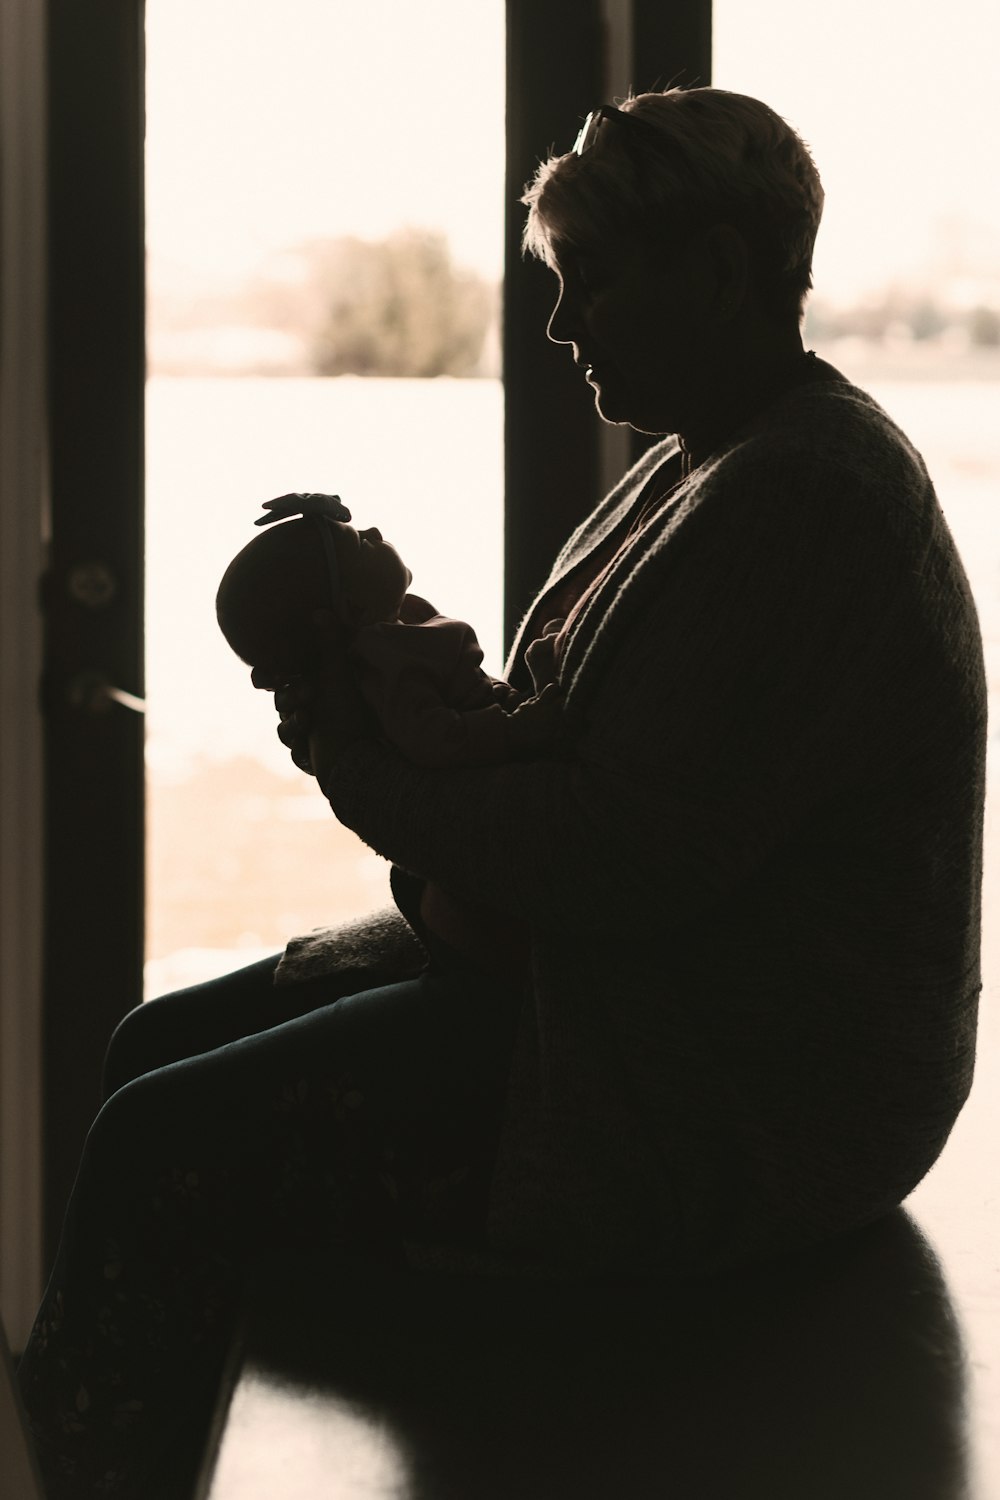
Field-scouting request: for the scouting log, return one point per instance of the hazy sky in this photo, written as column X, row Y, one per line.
column 273, row 120
column 270, row 121
column 900, row 104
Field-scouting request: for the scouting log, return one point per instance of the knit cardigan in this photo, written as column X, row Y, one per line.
column 753, row 886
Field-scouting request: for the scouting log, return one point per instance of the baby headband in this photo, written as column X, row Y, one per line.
column 320, row 508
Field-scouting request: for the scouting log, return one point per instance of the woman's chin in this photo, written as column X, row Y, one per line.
column 616, row 413
column 623, row 413
column 605, row 404
column 610, row 401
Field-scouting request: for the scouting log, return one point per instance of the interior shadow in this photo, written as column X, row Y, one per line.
column 836, row 1374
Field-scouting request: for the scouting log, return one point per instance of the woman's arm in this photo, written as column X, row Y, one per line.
column 739, row 680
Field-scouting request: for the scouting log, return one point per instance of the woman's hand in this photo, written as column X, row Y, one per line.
column 321, row 713
column 338, row 715
column 293, row 695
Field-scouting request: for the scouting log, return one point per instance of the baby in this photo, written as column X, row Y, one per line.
column 419, row 672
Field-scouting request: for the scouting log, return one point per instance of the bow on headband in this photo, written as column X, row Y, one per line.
column 321, row 509
column 306, row 503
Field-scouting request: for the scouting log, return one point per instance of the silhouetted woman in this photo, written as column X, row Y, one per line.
column 717, row 964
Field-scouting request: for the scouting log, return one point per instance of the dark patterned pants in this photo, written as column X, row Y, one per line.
column 243, row 1120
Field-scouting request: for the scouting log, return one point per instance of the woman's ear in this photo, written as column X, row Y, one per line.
column 727, row 258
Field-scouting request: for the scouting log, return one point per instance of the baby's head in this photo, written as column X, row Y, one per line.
column 272, row 589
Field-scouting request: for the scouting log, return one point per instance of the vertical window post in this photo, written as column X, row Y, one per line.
column 22, row 500
column 563, row 57
column 93, row 596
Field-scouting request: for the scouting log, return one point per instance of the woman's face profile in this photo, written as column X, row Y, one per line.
column 634, row 322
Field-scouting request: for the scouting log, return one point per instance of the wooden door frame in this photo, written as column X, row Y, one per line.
column 23, row 465
column 93, row 590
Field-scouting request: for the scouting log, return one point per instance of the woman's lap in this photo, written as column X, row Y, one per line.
column 210, row 1014
column 431, row 1047
column 376, row 1095
column 351, row 1126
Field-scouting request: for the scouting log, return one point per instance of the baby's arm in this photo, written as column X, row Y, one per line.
column 436, row 735
column 533, row 724
column 424, row 680
column 506, row 696
column 417, row 611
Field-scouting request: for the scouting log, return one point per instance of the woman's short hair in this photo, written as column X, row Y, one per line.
column 724, row 158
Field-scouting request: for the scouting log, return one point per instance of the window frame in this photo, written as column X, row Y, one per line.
column 562, row 56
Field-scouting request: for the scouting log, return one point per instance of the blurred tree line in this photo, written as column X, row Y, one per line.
column 401, row 306
column 398, row 306
column 918, row 315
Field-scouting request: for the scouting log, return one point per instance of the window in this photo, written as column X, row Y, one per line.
column 279, row 136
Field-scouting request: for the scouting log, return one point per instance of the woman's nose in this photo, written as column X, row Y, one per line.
column 562, row 329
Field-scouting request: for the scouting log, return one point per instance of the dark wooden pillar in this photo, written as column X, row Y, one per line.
column 93, row 593
column 553, row 77
column 557, row 70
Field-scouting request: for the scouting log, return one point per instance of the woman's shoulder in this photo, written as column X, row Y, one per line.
column 830, row 420
column 823, row 470
column 831, row 442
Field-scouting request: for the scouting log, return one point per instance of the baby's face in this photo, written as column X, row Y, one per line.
column 374, row 578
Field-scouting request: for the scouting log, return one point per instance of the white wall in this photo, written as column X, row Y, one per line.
column 22, row 523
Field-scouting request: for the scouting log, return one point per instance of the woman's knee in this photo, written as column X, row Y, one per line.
column 158, row 1032
column 191, row 1021
column 148, row 1037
